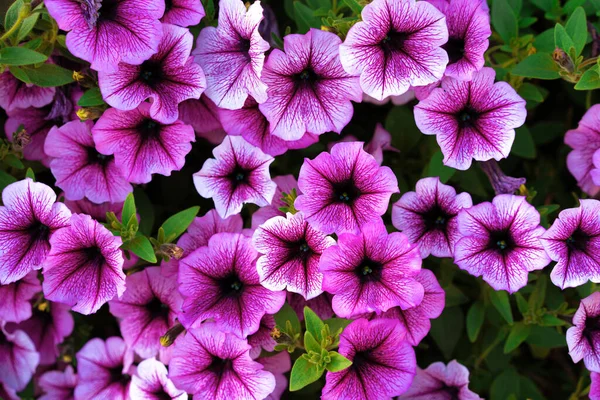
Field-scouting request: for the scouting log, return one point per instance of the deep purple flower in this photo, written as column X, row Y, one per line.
column 371, row 271
column 203, row 116
column 583, row 338
column 321, row 305
column 104, row 370
column 397, row 44
column 595, row 386
column 441, row 382
column 18, row 358
column 15, row 94
column 238, row 174
column 183, row 12
column 84, row 267
column 285, row 184
column 58, row 385
column 278, row 365
column 500, row 241
column 169, row 77
column 383, row 363
column 308, row 90
column 220, row 281
column 428, row 216
column 472, row 120
column 146, row 310
column 501, row 183
column 585, row 142
column 141, row 145
column 232, row 55
column 29, row 217
column 80, row 170
column 261, row 339
column 150, row 382
column 215, row 365
column 107, row 32
column 16, row 296
column 344, row 189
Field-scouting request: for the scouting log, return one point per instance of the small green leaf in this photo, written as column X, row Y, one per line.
column 576, row 27
column 128, row 208
column 504, row 20
column 27, row 26
column 501, row 302
column 303, row 374
column 20, row 56
column 305, row 18
column 310, row 343
column 141, row 247
column 338, row 362
column 336, row 323
column 551, row 320
column 12, row 14
column 531, row 93
column 355, row 6
column 13, row 161
column 446, row 339
column 505, row 385
column 537, row 297
column 314, row 324
column 178, row 223
column 544, row 42
column 590, row 79
column 562, row 40
column 91, row 98
column 524, row 145
column 30, row 174
column 521, row 303
column 46, row 75
column 546, row 337
column 475, row 318
column 6, row 179
column 518, row 334
column 287, row 313
column 538, row 65
column 437, row 168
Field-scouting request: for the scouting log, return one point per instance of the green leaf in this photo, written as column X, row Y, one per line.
column 437, row 168
column 562, row 40
column 531, row 93
column 505, row 385
column 521, row 303
column 12, row 14
column 13, row 161
column 310, row 343
column 91, row 98
column 576, row 27
column 538, row 65
column 305, row 18
column 454, row 296
column 516, row 5
column 178, row 223
column 338, row 362
column 590, row 79
column 551, row 320
column 287, row 313
column 544, row 42
column 537, row 297
column 546, row 337
column 400, row 123
column 524, row 145
column 141, row 247
column 475, row 318
column 501, row 302
column 145, row 209
column 303, row 374
column 6, row 179
column 529, row 390
column 46, row 75
column 27, row 26
column 355, row 6
column 128, row 208
column 30, row 174
column 20, row 56
column 447, row 330
column 504, row 20
column 336, row 323
column 314, row 324
column 517, row 335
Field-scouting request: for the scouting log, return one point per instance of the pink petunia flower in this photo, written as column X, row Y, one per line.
column 183, row 12
column 150, row 382
column 595, row 386
column 16, row 296
column 321, row 305
column 285, row 184
column 585, row 142
column 15, row 95
column 261, row 339
column 58, row 385
column 278, row 365
column 583, row 338
column 18, row 358
column 203, row 115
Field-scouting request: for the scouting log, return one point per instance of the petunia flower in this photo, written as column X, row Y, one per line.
column 428, row 216
column 96, row 211
column 105, row 33
column 150, row 382
column 321, row 305
column 583, row 338
column 146, row 310
column 203, row 115
column 383, row 363
column 285, row 184
column 291, row 250
column 18, row 358
column 29, row 218
column 261, row 339
column 595, row 386
column 441, row 382
column 80, row 170
column 183, row 12
column 220, row 281
column 238, row 174
column 371, row 272
column 397, row 44
column 500, row 241
column 15, row 94
column 278, row 365
column 7, row 393
column 84, row 267
column 472, row 120
column 502, row 183
column 104, row 370
column 58, row 385
column 232, row 55
column 395, row 100
column 381, row 141
column 169, row 77
column 585, row 142
column 16, row 296
column 308, row 90
column 344, row 189
column 141, row 145
column 216, row 365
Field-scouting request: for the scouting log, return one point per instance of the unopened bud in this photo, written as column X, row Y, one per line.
column 170, row 250
column 21, row 139
column 169, row 338
column 89, row 113
column 562, row 59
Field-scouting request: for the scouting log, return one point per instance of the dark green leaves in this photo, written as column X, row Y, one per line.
column 91, row 98
column 504, row 20
column 590, row 79
column 475, row 318
column 523, row 145
column 518, row 333
column 303, row 374
column 20, row 56
column 437, row 168
column 141, row 247
column 178, row 223
column 46, row 75
column 500, row 300
column 539, row 65
column 576, row 28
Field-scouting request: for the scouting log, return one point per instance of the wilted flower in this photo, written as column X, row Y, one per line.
column 501, row 183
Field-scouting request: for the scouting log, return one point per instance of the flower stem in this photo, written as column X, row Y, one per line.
column 23, row 13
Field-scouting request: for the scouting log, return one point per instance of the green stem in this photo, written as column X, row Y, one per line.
column 23, row 13
column 588, row 99
column 334, row 6
column 587, row 62
column 488, row 350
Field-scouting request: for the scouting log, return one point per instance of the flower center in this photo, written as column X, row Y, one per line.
column 231, row 286
column 578, row 240
column 368, row 270
column 592, row 329
column 238, row 176
column 219, row 365
column 393, row 42
column 94, row 256
column 345, row 191
column 307, row 77
column 38, row 231
column 501, row 241
column 467, row 117
column 96, row 158
column 435, row 218
column 151, row 72
column 117, row 375
column 304, row 247
column 149, row 129
column 455, row 47
column 157, row 309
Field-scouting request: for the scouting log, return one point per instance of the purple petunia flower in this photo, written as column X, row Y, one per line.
column 395, row 100
column 141, row 145
column 18, row 358
column 428, row 216
column 96, row 211
column 169, row 77
column 238, row 174
column 15, row 94
column 104, row 370
column 146, row 310
column 371, row 272
column 58, row 385
column 203, row 115
column 29, row 218
column 500, row 241
column 583, row 338
column 381, row 141
column 107, row 32
column 344, row 189
column 261, row 339
column 308, row 90
column 16, row 296
column 80, row 170
column 183, row 12
column 595, row 386
column 472, row 120
column 585, row 142
column 396, row 45
column 84, row 267
column 278, row 365
column 215, row 365
column 292, row 249
column 441, row 382
column 220, row 281
column 321, row 305
column 383, row 363
column 285, row 184
column 572, row 241
column 232, row 55
column 150, row 382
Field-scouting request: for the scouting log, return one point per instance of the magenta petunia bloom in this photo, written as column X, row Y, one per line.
column 595, row 386
column 285, row 184
column 291, row 250
column 96, row 211
column 583, row 338
column 395, row 100
column 308, row 90
column 7, row 393
column 232, row 55
column 203, row 115
column 58, row 385
column 585, row 142
column 15, row 94
column 500, row 241
column 396, row 45
column 573, row 241
column 220, row 281
column 441, row 382
column 216, row 365
column 381, row 141
column 18, row 358
column 108, row 32
column 150, row 382
column 344, row 189
column 84, row 267
column 29, row 218
column 183, row 12
column 321, row 305
column 169, row 77
column 141, row 145
column 238, row 174
column 146, row 310
column 80, row 170
column 16, row 296
column 278, row 365
column 383, row 363
column 371, row 272
column 428, row 216
column 468, row 25
column 472, row 120
column 261, row 339
column 104, row 370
